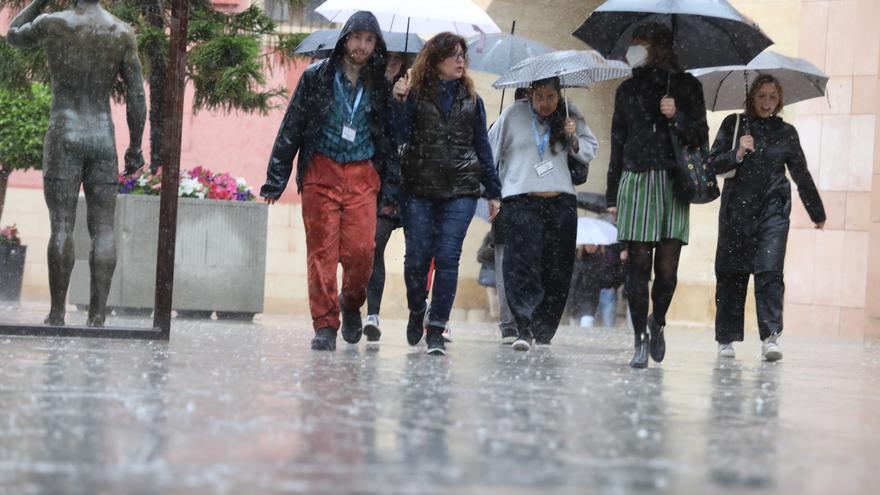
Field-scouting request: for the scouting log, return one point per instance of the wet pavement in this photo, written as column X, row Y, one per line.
column 237, row 408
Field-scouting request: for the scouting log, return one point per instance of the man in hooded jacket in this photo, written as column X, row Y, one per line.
column 335, row 121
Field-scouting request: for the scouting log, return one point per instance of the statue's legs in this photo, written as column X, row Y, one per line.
column 61, row 196
column 101, row 208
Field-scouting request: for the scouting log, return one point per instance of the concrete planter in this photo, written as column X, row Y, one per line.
column 219, row 265
column 11, row 271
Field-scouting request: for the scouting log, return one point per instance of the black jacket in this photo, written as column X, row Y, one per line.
column 756, row 203
column 640, row 140
column 306, row 114
column 440, row 160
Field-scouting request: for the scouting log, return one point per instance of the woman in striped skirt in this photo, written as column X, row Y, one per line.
column 659, row 102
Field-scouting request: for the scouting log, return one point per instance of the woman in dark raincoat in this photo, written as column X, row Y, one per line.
column 754, row 219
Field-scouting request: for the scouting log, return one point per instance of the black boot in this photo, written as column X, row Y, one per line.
column 325, row 339
column 352, row 327
column 435, row 341
column 416, row 327
column 658, row 342
column 640, row 356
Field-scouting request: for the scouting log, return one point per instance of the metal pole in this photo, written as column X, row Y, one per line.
column 512, row 29
column 171, row 167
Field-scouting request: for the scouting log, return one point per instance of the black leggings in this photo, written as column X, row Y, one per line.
column 664, row 257
column 376, row 286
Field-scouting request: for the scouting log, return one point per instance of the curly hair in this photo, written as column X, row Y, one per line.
column 755, row 87
column 424, row 78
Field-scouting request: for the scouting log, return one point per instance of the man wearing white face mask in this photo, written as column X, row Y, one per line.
column 652, row 221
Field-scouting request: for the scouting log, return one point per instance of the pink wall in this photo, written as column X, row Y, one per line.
column 237, row 143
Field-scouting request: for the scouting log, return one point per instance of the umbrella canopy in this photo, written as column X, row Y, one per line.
column 574, row 68
column 598, row 232
column 725, row 87
column 707, row 33
column 591, row 201
column 320, row 43
column 496, row 53
column 462, row 17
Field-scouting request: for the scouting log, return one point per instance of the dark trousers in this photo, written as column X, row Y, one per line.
column 730, row 300
column 540, row 235
column 434, row 229
column 376, row 286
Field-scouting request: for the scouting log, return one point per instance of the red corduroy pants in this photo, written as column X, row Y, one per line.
column 339, row 213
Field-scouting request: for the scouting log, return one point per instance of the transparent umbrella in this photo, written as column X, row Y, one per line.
column 496, row 53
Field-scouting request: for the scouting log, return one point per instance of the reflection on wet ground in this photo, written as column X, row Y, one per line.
column 230, row 407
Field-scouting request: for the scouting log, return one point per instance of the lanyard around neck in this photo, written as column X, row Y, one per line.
column 540, row 141
column 357, row 99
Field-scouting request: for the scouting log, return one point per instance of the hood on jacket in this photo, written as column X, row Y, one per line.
column 363, row 20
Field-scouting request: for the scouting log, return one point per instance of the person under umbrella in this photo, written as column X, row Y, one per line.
column 652, row 221
column 753, row 221
column 441, row 120
column 532, row 142
column 336, row 123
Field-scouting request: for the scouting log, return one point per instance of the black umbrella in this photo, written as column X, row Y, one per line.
column 321, row 43
column 706, row 33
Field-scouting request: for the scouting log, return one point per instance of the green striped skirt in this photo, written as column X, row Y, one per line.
column 647, row 209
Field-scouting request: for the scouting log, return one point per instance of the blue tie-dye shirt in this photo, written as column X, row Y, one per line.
column 330, row 142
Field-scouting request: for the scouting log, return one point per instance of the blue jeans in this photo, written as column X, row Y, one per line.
column 434, row 229
column 607, row 309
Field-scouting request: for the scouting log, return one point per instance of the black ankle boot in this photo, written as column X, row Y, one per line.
column 352, row 327
column 640, row 356
column 658, row 342
column 325, row 339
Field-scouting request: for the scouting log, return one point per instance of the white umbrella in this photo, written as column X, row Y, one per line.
column 724, row 88
column 462, row 17
column 594, row 231
column 574, row 68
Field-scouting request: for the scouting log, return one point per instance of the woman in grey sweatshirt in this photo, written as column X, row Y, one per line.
column 532, row 142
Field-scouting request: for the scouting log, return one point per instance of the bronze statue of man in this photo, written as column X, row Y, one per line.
column 88, row 51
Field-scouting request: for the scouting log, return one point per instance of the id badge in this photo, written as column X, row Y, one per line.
column 348, row 133
column 544, row 168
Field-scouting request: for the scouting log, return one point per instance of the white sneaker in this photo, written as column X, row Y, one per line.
column 586, row 321
column 371, row 329
column 770, row 349
column 726, row 350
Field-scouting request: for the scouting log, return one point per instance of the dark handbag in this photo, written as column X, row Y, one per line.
column 579, row 171
column 694, row 182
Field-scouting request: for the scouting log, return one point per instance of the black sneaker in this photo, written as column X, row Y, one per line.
column 352, row 327
column 508, row 336
column 325, row 339
column 415, row 328
column 542, row 343
column 657, row 346
column 522, row 343
column 436, row 342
